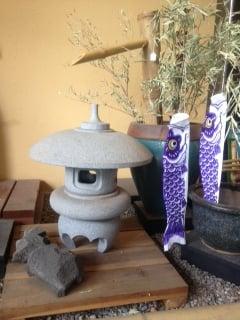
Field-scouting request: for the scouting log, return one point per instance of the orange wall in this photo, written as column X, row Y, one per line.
column 34, row 53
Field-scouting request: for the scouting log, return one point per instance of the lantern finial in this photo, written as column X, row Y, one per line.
column 95, row 123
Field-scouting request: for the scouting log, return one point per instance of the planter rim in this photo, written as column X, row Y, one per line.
column 220, row 207
column 159, row 132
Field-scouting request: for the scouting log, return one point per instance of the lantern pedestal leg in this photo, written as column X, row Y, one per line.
column 104, row 231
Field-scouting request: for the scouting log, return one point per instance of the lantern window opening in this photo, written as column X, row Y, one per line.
column 86, row 176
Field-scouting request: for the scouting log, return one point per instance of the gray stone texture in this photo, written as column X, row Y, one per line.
column 105, row 181
column 94, row 122
column 99, row 150
column 90, row 208
column 103, row 231
column 90, row 203
column 32, row 239
column 91, row 146
column 57, row 267
column 94, row 217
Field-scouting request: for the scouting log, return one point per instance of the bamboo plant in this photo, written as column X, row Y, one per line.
column 190, row 63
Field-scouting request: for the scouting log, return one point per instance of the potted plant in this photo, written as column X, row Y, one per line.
column 183, row 64
column 217, row 222
column 189, row 64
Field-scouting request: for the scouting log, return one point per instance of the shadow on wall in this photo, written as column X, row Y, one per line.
column 3, row 146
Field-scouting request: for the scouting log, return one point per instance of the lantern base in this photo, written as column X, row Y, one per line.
column 104, row 231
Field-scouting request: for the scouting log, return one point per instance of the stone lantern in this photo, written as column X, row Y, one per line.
column 90, row 202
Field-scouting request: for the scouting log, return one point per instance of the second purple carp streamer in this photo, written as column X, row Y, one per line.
column 175, row 179
column 211, row 147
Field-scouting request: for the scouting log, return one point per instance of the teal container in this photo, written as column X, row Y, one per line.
column 148, row 179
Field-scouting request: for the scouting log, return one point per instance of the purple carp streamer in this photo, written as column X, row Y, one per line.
column 175, row 179
column 211, row 147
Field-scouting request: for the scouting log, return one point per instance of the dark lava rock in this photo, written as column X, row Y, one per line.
column 31, row 240
column 57, row 267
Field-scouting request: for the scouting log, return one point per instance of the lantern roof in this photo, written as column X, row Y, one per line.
column 91, row 146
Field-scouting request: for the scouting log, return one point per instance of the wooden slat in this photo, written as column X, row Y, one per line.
column 6, row 187
column 222, row 312
column 126, row 239
column 50, row 228
column 127, row 224
column 130, row 223
column 23, row 199
column 6, row 227
column 94, row 261
column 30, row 297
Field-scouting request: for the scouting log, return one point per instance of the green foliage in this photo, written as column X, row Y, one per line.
column 190, row 63
column 117, row 68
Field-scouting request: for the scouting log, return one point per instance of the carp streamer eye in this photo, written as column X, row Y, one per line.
column 208, row 123
column 172, row 144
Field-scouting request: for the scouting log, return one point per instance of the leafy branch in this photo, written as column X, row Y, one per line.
column 190, row 63
column 84, row 35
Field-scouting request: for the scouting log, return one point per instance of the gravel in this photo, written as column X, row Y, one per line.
column 204, row 289
column 130, row 309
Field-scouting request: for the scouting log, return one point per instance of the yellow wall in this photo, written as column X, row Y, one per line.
column 34, row 52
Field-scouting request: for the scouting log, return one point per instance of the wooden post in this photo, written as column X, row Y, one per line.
column 150, row 30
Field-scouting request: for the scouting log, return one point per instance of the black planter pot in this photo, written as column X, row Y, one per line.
column 218, row 225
